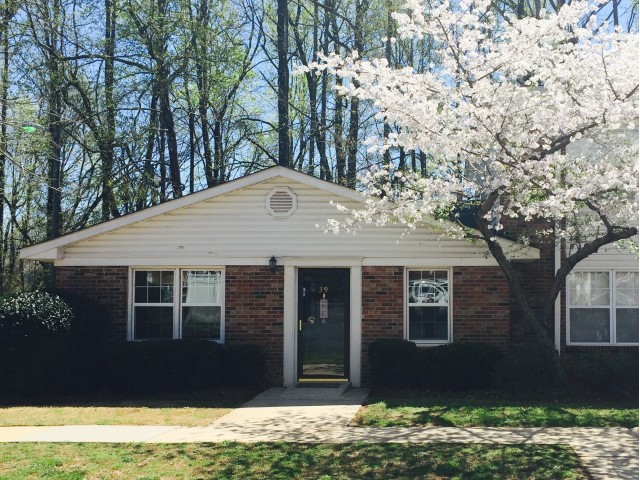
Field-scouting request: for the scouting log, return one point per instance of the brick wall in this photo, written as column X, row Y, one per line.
column 254, row 312
column 480, row 307
column 107, row 285
column 480, row 300
column 537, row 278
column 254, row 305
column 382, row 308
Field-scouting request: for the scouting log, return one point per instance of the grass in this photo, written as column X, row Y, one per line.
column 276, row 461
column 397, row 410
column 194, row 409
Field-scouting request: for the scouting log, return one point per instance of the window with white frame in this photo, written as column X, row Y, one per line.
column 160, row 313
column 603, row 307
column 427, row 310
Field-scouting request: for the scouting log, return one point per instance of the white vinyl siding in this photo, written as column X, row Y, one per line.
column 237, row 229
column 171, row 303
column 602, row 308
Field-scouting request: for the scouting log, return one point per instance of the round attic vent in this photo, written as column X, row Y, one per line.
column 281, row 202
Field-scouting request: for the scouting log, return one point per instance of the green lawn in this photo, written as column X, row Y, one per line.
column 193, row 409
column 275, row 461
column 421, row 410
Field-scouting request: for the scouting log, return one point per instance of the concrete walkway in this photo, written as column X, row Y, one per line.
column 322, row 415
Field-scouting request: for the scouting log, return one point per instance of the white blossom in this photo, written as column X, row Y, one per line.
column 543, row 112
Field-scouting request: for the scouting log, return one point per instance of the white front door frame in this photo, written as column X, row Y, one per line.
column 290, row 337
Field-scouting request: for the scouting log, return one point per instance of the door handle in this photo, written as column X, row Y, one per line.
column 300, row 325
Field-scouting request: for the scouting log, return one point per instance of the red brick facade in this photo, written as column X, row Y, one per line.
column 480, row 301
column 254, row 312
column 254, row 305
column 382, row 308
column 106, row 285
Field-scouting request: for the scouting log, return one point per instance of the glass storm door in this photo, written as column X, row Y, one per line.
column 323, row 323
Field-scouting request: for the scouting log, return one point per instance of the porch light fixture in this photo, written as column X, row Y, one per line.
column 273, row 264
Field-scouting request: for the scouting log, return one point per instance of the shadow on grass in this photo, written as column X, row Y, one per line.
column 217, row 398
column 280, row 461
column 399, row 409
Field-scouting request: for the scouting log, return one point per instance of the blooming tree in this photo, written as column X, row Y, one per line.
column 532, row 119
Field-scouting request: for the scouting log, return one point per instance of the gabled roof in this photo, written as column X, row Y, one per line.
column 48, row 249
column 53, row 249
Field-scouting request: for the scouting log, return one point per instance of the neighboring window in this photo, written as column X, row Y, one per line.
column 160, row 314
column 603, row 307
column 428, row 306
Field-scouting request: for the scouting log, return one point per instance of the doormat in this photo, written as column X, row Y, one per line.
column 319, row 385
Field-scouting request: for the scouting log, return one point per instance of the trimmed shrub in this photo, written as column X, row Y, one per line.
column 90, row 318
column 63, row 366
column 47, row 366
column 181, row 365
column 524, row 370
column 604, row 374
column 159, row 366
column 244, row 365
column 399, row 363
column 33, row 315
column 393, row 363
column 459, row 366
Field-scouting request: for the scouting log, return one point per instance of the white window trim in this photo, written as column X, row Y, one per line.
column 177, row 300
column 405, row 302
column 611, row 307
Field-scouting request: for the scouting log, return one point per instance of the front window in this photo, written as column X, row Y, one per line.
column 153, row 304
column 159, row 313
column 428, row 306
column 201, row 303
column 603, row 307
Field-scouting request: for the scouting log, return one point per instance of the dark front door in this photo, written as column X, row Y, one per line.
column 323, row 323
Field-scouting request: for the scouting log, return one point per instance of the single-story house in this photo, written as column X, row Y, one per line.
column 245, row 262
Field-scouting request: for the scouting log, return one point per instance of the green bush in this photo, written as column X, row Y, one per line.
column 524, row 370
column 33, row 315
column 603, row 374
column 399, row 363
column 90, row 321
column 460, row 366
column 158, row 366
column 244, row 365
column 46, row 366
column 61, row 365
column 392, row 363
column 181, row 365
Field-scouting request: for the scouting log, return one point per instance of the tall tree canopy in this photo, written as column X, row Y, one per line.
column 136, row 102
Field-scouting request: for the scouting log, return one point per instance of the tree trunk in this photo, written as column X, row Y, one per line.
column 202, row 83
column 7, row 14
column 543, row 336
column 147, row 185
column 109, row 207
column 168, row 125
column 284, row 144
column 354, row 113
column 218, row 152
